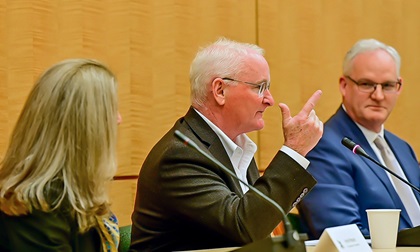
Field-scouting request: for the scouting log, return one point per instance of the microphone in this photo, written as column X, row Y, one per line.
column 292, row 237
column 358, row 150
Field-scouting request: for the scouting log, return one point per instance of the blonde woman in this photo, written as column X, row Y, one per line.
column 59, row 160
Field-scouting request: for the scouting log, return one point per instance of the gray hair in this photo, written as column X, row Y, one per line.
column 223, row 58
column 368, row 45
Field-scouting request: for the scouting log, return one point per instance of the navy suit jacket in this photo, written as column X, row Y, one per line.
column 184, row 201
column 349, row 184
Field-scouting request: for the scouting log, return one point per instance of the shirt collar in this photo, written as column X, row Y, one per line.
column 242, row 141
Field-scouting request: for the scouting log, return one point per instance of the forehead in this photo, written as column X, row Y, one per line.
column 374, row 64
column 256, row 67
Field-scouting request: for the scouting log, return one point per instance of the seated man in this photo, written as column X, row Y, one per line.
column 184, row 201
column 349, row 184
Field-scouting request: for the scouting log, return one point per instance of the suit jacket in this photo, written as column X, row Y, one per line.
column 184, row 201
column 349, row 184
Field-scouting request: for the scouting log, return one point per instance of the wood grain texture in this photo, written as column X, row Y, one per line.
column 306, row 42
column 149, row 45
column 123, row 194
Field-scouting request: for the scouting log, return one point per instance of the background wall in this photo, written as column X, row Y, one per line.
column 149, row 45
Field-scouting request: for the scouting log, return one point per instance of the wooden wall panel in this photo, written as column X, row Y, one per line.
column 123, row 195
column 166, row 36
column 4, row 107
column 149, row 44
column 306, row 42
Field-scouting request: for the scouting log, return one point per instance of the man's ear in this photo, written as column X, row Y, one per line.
column 342, row 85
column 218, row 89
column 399, row 91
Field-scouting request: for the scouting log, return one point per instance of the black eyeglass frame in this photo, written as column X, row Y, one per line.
column 370, row 87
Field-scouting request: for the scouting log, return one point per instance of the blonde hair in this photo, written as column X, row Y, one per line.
column 62, row 149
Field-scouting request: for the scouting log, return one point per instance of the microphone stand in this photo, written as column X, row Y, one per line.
column 393, row 173
column 292, row 237
column 406, row 237
column 358, row 150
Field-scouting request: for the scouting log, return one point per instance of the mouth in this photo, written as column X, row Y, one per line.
column 376, row 107
column 259, row 114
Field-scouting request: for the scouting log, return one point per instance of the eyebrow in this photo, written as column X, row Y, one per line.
column 369, row 80
column 261, row 82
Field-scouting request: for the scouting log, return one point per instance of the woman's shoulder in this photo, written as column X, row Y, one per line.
column 55, row 230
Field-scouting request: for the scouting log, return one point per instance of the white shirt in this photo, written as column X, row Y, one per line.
column 242, row 151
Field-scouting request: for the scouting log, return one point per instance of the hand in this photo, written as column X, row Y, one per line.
column 303, row 131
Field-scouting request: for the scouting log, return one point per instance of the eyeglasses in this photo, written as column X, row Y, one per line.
column 263, row 86
column 370, row 87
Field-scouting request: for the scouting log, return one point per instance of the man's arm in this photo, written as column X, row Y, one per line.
column 334, row 200
column 193, row 188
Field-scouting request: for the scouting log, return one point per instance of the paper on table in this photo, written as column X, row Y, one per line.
column 315, row 242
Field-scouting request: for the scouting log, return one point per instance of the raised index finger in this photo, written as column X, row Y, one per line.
column 310, row 104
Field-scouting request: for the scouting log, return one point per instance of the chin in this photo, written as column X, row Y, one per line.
column 256, row 128
column 260, row 126
column 377, row 118
column 372, row 123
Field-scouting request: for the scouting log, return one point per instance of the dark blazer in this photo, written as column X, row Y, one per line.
column 349, row 184
column 185, row 202
column 43, row 232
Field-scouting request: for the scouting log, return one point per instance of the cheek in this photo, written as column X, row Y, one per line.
column 392, row 103
column 358, row 99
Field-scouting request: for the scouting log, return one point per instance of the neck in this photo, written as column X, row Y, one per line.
column 216, row 117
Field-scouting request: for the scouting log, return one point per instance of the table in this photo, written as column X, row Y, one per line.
column 312, row 248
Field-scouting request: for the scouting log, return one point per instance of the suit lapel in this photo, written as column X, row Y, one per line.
column 252, row 173
column 357, row 136
column 212, row 142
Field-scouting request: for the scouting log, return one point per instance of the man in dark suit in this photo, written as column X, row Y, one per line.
column 184, row 201
column 349, row 184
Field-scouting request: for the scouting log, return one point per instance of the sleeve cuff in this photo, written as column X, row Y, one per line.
column 296, row 156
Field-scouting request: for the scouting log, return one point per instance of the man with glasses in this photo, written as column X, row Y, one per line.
column 185, row 201
column 349, row 184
